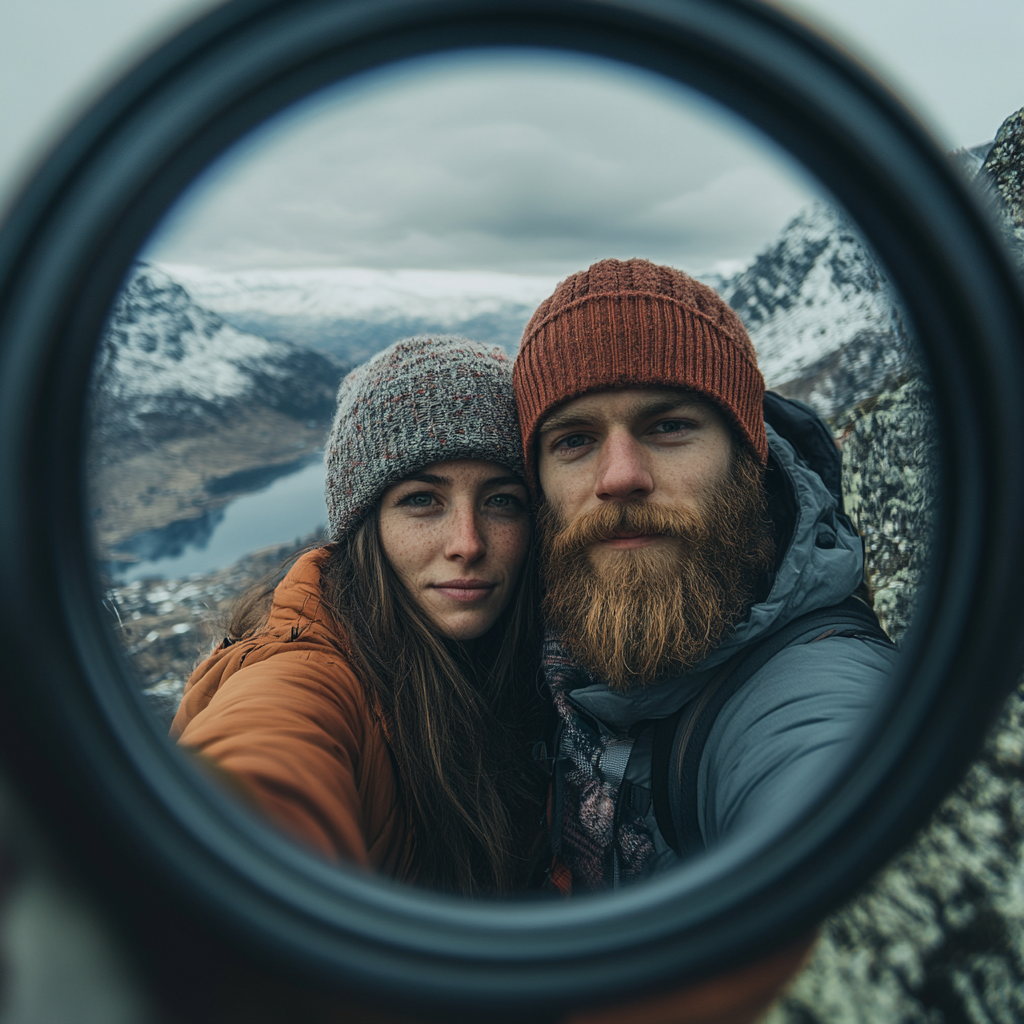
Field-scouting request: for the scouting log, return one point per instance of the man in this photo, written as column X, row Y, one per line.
column 693, row 562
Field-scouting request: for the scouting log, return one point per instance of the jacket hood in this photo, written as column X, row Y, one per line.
column 823, row 564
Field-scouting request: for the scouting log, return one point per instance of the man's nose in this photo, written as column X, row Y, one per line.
column 622, row 471
column 465, row 541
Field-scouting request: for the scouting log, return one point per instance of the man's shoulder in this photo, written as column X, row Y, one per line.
column 804, row 693
column 789, row 728
column 830, row 666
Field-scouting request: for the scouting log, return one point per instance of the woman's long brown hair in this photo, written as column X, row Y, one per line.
column 459, row 717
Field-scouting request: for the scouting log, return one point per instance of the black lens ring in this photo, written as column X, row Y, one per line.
column 113, row 792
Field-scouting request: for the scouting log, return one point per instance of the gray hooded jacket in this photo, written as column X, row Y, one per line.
column 778, row 739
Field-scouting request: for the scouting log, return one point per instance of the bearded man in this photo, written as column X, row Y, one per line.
column 711, row 654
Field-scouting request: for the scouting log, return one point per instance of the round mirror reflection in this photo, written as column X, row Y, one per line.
column 450, row 197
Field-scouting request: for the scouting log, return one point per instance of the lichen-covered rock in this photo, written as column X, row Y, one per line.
column 890, row 485
column 1004, row 170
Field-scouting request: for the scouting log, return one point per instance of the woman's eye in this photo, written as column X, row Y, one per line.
column 421, row 500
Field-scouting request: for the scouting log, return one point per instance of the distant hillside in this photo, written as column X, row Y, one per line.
column 353, row 312
column 188, row 412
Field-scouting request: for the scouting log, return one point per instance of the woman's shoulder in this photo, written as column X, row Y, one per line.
column 298, row 614
column 298, row 599
column 299, row 650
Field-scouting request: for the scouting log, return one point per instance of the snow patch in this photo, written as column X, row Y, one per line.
column 159, row 341
column 354, row 293
column 818, row 289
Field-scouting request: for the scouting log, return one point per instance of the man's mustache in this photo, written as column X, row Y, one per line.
column 615, row 518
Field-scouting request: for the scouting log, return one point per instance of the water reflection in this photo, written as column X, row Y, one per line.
column 290, row 503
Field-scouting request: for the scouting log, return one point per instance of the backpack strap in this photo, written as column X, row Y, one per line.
column 679, row 740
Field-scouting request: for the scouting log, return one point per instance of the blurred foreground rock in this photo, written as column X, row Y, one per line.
column 1003, row 170
column 59, row 961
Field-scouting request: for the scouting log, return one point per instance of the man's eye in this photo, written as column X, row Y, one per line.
column 672, row 426
column 574, row 441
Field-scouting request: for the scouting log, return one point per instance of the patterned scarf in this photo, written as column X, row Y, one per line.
column 599, row 850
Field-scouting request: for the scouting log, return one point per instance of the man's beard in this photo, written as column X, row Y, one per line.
column 640, row 614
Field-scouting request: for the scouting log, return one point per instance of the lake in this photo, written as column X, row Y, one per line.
column 289, row 508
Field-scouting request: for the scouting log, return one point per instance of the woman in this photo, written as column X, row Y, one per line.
column 380, row 711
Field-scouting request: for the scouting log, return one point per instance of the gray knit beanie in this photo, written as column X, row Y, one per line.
column 421, row 400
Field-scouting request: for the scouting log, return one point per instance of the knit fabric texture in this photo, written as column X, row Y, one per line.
column 595, row 838
column 421, row 400
column 635, row 324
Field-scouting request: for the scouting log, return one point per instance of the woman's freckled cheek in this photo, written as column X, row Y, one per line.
column 410, row 547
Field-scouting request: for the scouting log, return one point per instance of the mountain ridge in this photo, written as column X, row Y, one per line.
column 166, row 363
column 815, row 292
column 353, row 312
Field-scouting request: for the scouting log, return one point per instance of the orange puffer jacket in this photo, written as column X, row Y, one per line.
column 283, row 713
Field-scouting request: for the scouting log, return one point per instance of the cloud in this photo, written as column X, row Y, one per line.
column 514, row 161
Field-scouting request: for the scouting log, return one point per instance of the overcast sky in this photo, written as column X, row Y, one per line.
column 481, row 165
column 530, row 163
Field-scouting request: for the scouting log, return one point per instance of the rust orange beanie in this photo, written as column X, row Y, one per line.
column 635, row 324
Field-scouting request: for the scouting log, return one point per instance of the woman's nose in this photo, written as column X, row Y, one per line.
column 465, row 541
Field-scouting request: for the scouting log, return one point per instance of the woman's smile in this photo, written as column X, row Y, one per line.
column 465, row 590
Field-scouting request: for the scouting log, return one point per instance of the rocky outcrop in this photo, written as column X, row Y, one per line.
column 166, row 627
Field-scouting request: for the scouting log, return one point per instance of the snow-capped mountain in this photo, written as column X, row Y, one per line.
column 820, row 310
column 167, row 366
column 822, row 315
column 353, row 312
